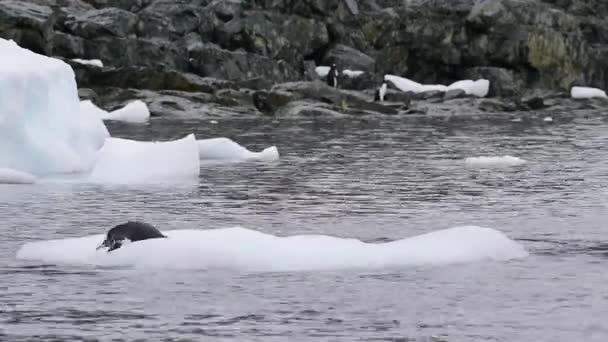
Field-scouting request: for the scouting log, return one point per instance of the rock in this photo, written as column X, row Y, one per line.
column 226, row 10
column 103, row 22
column 346, row 57
column 493, row 105
column 87, row 94
column 269, row 102
column 398, row 96
column 454, row 94
column 364, row 81
column 256, row 83
column 151, row 78
column 277, row 36
column 502, row 81
column 212, row 61
column 30, row 25
column 533, row 103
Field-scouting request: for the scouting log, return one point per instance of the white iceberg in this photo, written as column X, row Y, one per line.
column 477, row 88
column 352, row 73
column 586, row 93
column 9, row 176
column 249, row 250
column 494, row 161
column 135, row 112
column 94, row 62
column 41, row 129
column 322, row 71
column 224, row 149
column 129, row 161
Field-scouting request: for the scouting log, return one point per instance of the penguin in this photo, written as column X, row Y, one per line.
column 381, row 92
column 332, row 76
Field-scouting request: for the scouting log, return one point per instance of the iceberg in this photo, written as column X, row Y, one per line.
column 244, row 249
column 130, row 161
column 352, row 73
column 94, row 62
column 586, row 93
column 135, row 112
column 9, row 176
column 41, row 129
column 496, row 161
column 224, row 149
column 322, row 71
column 477, row 88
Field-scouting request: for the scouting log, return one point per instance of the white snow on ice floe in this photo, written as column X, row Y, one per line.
column 130, row 161
column 9, row 176
column 322, row 71
column 135, row 112
column 496, row 161
column 41, row 129
column 477, row 88
column 225, row 149
column 94, row 62
column 352, row 73
column 586, row 92
column 249, row 250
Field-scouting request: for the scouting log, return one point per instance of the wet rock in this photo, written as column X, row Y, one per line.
column 533, row 103
column 494, row 105
column 454, row 94
column 268, row 102
column 398, row 96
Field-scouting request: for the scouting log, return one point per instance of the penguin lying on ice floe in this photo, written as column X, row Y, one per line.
column 131, row 231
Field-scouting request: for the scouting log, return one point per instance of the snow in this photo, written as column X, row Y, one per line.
column 130, row 161
column 477, row 88
column 134, row 112
column 94, row 62
column 586, row 93
column 322, row 71
column 495, row 161
column 9, row 176
column 249, row 250
column 41, row 129
column 225, row 149
column 352, row 73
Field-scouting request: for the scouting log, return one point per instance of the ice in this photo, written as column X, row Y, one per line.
column 94, row 62
column 352, row 73
column 477, row 88
column 41, row 129
column 249, row 250
column 134, row 112
column 586, row 92
column 227, row 150
column 496, row 161
column 10, row 176
column 322, row 71
column 130, row 161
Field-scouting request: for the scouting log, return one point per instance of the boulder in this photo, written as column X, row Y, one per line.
column 347, row 57
column 28, row 24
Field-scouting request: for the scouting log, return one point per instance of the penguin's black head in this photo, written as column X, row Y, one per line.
column 112, row 242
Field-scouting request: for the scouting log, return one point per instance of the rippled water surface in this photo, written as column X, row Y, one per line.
column 374, row 179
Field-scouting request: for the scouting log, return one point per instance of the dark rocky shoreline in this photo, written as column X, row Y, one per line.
column 204, row 58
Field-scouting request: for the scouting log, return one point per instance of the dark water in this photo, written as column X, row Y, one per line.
column 374, row 179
